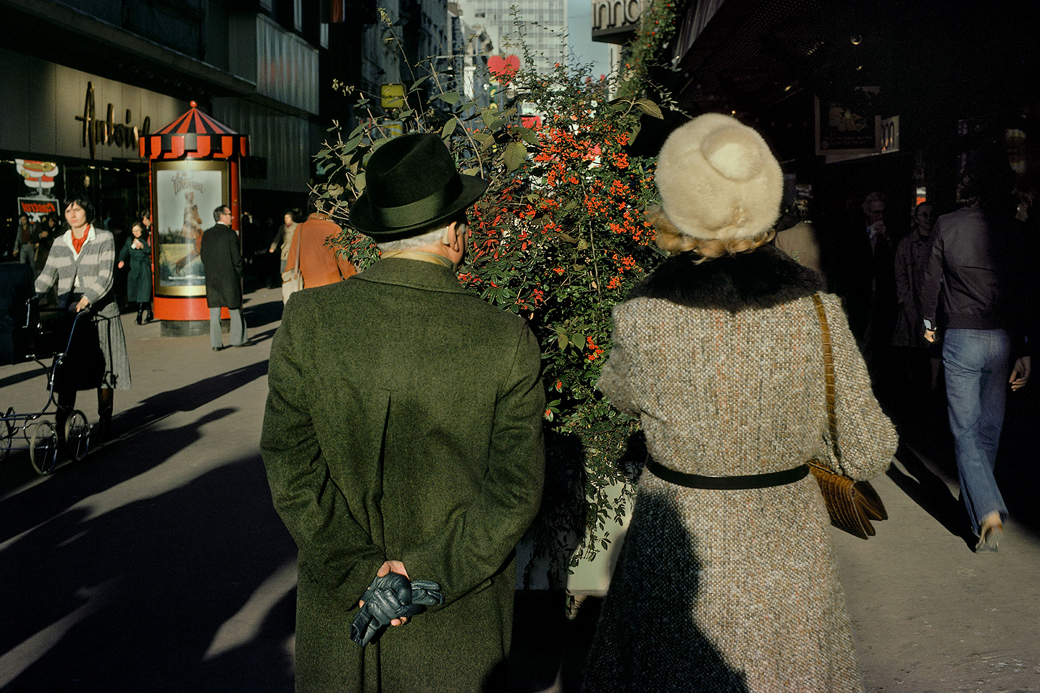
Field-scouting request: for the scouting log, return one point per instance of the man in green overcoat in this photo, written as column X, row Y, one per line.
column 403, row 433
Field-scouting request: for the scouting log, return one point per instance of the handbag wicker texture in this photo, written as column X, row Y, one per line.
column 851, row 504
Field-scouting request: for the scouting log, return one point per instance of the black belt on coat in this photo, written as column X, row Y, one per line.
column 728, row 483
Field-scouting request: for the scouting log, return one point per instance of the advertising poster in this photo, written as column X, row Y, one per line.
column 850, row 125
column 39, row 177
column 186, row 193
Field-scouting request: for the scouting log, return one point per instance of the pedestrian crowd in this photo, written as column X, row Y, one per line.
column 402, row 436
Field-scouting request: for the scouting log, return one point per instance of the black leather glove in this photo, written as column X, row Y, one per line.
column 426, row 593
column 390, row 597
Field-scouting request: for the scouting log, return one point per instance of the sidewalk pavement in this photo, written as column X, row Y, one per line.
column 158, row 563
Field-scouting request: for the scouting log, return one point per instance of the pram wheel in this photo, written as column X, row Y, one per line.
column 8, row 435
column 77, row 435
column 43, row 448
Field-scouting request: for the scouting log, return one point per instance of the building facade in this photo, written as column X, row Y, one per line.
column 540, row 25
column 84, row 79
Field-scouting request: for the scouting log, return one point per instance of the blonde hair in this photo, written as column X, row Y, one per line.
column 672, row 240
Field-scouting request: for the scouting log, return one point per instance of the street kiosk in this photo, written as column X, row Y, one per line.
column 193, row 170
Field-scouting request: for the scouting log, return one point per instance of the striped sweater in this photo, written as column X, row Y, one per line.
column 95, row 276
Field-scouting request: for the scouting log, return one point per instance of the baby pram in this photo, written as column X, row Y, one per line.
column 64, row 338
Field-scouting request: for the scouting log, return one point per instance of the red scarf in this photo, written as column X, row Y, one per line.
column 77, row 243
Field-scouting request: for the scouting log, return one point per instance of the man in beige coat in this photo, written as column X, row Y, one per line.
column 403, row 433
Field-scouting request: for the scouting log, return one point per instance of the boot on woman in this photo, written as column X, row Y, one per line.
column 105, row 405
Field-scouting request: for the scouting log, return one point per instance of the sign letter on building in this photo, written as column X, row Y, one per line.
column 108, row 131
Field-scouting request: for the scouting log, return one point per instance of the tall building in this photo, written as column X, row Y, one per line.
column 543, row 27
column 83, row 79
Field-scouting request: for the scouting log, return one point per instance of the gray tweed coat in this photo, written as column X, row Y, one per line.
column 733, row 590
column 93, row 279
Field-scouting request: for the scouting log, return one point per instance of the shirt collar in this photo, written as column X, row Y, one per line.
column 67, row 238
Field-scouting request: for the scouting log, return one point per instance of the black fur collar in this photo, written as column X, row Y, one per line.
column 764, row 278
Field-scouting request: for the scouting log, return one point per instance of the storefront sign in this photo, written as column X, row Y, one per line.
column 107, row 131
column 36, row 208
column 611, row 17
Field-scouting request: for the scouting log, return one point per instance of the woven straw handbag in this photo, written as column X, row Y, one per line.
column 851, row 504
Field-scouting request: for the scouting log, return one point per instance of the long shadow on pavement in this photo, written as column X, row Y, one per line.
column 931, row 493
column 104, row 468
column 29, row 374
column 1018, row 461
column 132, row 598
column 188, row 397
column 259, row 315
column 136, row 451
column 926, row 450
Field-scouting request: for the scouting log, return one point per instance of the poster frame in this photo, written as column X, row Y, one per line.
column 158, row 212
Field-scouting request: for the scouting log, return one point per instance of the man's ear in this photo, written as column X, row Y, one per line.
column 453, row 239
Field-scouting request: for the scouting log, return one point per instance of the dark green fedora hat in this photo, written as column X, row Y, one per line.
column 411, row 183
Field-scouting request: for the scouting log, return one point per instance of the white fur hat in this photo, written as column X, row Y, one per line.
column 718, row 179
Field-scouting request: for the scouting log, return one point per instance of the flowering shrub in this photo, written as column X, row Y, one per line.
column 657, row 25
column 559, row 238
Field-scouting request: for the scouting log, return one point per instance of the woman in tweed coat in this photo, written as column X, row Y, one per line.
column 82, row 264
column 719, row 354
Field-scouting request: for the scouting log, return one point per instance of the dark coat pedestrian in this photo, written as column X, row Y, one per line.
column 403, row 426
column 222, row 260
column 137, row 252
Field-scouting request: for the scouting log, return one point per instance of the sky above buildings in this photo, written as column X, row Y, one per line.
column 579, row 29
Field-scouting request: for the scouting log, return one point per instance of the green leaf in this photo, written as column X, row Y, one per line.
column 359, row 182
column 352, row 143
column 416, row 83
column 489, row 116
column 449, row 97
column 514, row 155
column 650, row 108
column 527, row 134
column 634, row 134
column 562, row 339
column 449, row 128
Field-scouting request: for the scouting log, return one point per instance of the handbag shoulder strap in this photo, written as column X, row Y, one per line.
column 299, row 245
column 828, row 372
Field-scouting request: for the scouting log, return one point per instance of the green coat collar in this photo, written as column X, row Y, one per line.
column 414, row 274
